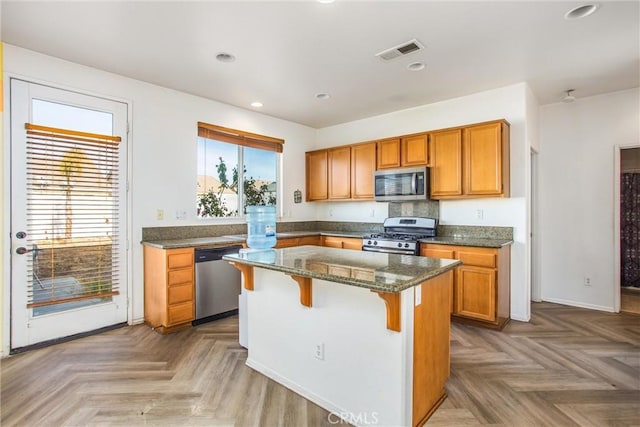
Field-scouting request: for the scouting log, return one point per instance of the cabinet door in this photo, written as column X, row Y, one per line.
column 349, row 243
column 483, row 160
column 414, row 151
column 316, row 175
column 340, row 173
column 388, row 153
column 309, row 240
column 475, row 293
column 363, row 165
column 446, row 163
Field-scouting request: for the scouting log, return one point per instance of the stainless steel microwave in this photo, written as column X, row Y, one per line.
column 394, row 185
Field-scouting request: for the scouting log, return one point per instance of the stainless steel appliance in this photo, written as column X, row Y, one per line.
column 217, row 284
column 401, row 235
column 393, row 185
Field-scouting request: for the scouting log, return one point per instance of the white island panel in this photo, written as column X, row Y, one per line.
column 365, row 374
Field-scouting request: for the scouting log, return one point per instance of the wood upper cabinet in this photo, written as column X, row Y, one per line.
column 341, row 173
column 414, row 150
column 316, row 175
column 471, row 161
column 445, row 173
column 486, row 159
column 388, row 153
column 481, row 285
column 363, row 165
column 169, row 287
column 339, row 160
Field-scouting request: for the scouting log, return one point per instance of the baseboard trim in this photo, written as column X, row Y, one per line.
column 579, row 304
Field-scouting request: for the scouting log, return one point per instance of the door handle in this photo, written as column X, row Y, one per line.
column 21, row 235
column 22, row 250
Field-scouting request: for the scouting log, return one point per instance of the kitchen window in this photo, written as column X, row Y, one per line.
column 222, row 183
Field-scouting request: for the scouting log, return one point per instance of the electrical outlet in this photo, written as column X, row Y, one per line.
column 160, row 214
column 319, row 353
column 479, row 214
column 181, row 215
column 587, row 281
column 373, row 213
column 330, row 212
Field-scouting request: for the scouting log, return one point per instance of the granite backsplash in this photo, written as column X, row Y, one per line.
column 214, row 230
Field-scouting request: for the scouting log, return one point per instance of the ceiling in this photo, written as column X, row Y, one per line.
column 287, row 52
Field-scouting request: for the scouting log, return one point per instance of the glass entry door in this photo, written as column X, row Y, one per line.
column 68, row 216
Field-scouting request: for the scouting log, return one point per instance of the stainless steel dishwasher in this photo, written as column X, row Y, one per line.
column 217, row 284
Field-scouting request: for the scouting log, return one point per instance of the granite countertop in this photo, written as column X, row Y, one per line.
column 371, row 270
column 204, row 242
column 468, row 241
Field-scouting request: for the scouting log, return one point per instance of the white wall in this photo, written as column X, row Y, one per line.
column 163, row 143
column 510, row 103
column 577, row 179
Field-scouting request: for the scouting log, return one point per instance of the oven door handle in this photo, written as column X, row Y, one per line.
column 388, row 251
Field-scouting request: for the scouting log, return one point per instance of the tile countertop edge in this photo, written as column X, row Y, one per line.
column 429, row 274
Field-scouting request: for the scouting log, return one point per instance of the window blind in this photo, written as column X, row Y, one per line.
column 240, row 137
column 72, row 215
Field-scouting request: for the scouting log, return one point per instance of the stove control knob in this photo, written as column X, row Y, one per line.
column 375, row 242
column 399, row 245
column 406, row 245
column 369, row 242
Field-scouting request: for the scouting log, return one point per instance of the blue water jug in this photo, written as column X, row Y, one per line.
column 261, row 227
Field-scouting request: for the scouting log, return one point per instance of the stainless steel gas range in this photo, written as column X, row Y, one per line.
column 401, row 235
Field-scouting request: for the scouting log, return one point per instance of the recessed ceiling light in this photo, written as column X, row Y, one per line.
column 569, row 96
column 416, row 66
column 325, row 1
column 323, row 96
column 225, row 57
column 581, row 11
column 256, row 104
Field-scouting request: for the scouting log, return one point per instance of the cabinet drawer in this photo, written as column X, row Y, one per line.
column 184, row 275
column 332, row 242
column 180, row 313
column 478, row 258
column 309, row 240
column 437, row 253
column 180, row 260
column 286, row 243
column 182, row 293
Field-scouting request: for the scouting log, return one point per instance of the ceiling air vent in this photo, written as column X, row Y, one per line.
column 400, row 50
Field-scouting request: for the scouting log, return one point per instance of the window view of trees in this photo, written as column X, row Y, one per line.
column 219, row 179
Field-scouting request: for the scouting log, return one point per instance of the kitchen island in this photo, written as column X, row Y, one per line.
column 364, row 335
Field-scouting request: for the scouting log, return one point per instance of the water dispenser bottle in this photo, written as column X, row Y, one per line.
column 261, row 227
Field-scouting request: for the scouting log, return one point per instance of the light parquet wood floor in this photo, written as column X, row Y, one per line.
column 567, row 367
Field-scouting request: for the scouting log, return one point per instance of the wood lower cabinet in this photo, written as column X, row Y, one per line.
column 342, row 242
column 470, row 161
column 169, row 288
column 298, row 241
column 481, row 289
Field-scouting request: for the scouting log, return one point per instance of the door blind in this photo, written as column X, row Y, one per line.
column 72, row 215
